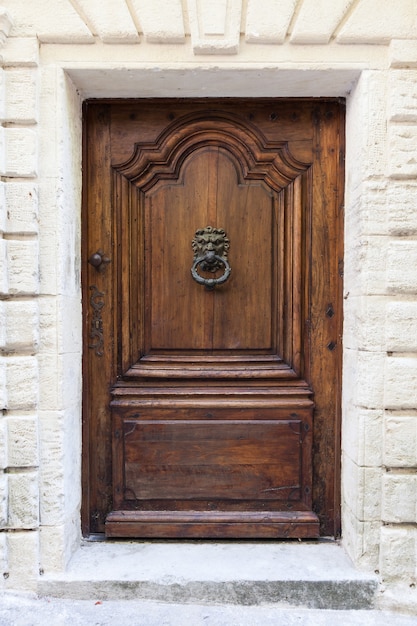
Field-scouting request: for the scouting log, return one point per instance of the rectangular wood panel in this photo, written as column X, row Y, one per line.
column 212, row 459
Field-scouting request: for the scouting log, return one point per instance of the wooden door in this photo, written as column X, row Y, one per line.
column 212, row 317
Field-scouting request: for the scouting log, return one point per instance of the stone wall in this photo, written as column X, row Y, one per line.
column 54, row 54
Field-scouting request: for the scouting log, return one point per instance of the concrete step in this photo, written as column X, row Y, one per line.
column 316, row 575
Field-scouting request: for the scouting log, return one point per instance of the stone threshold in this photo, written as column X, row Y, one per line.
column 315, row 574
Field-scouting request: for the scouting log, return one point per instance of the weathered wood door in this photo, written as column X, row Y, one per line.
column 212, row 317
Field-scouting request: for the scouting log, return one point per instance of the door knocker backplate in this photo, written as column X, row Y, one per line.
column 210, row 246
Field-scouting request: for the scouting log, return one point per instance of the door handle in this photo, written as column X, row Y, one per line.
column 210, row 247
column 99, row 260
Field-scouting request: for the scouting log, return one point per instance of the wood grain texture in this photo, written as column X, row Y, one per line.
column 217, row 376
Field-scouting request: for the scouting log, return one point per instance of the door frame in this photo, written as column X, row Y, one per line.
column 331, row 485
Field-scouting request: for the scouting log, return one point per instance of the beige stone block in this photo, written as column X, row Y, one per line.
column 399, row 498
column 402, row 202
column 366, row 139
column 3, row 443
column 402, row 96
column 269, row 23
column 52, row 459
column 4, row 283
column 110, row 25
column 23, row 267
column 22, row 382
column 3, row 382
column 402, row 142
column 316, row 21
column 364, row 323
column 162, row 21
column 3, row 559
column 62, row 25
column 365, row 265
column 50, row 382
column 2, row 151
column 360, row 540
column 52, row 544
column 215, row 28
column 403, row 53
column 2, row 94
column 69, row 325
column 4, row 491
column 21, row 325
column 21, row 152
column 362, row 490
column 400, row 440
column 398, row 553
column 48, row 326
column 23, row 502
column 3, row 209
column 377, row 23
column 362, row 437
column 363, row 379
column 22, row 441
column 22, row 208
column 23, row 560
column 401, row 383
column 401, row 326
column 21, row 95
column 401, row 260
column 22, row 51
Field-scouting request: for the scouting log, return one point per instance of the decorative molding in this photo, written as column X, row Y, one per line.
column 215, row 26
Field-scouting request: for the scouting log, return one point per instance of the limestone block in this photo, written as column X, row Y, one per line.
column 70, row 325
column 3, row 559
column 362, row 437
column 400, row 440
column 364, row 323
column 268, row 23
column 48, row 330
column 401, row 383
column 362, row 490
column 161, row 21
column 23, row 504
column 6, row 23
column 402, row 141
column 3, row 443
column 2, row 94
column 22, row 208
column 365, row 265
column 4, row 490
column 317, row 20
column 402, row 93
column 398, row 553
column 374, row 22
column 401, row 263
column 22, row 441
column 4, row 283
column 215, row 26
column 21, row 325
column 366, row 139
column 52, row 551
column 2, row 151
column 363, row 379
column 62, row 25
column 399, row 498
column 403, row 53
column 360, row 539
column 50, row 381
column 52, row 459
column 23, row 267
column 401, row 326
column 21, row 152
column 370, row 216
column 22, row 51
column 21, row 95
column 111, row 24
column 23, row 557
column 402, row 201
column 22, row 382
column 3, row 382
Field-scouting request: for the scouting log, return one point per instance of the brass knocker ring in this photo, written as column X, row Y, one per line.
column 210, row 283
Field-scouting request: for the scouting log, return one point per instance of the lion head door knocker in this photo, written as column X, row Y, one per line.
column 210, row 246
